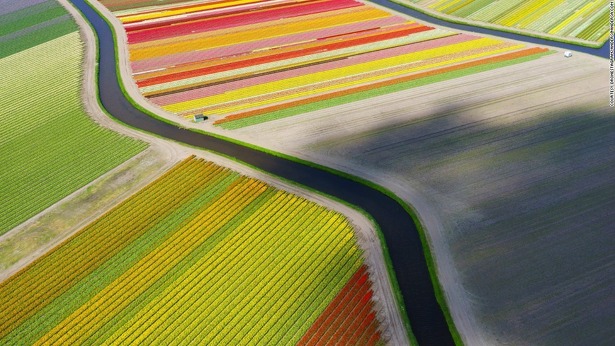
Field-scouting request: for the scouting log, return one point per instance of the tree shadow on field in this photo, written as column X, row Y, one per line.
column 529, row 206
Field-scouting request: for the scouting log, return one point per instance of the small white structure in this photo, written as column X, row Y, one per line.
column 567, row 54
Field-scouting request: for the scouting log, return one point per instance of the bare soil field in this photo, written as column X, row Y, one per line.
column 511, row 172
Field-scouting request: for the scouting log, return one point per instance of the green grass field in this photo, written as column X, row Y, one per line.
column 49, row 147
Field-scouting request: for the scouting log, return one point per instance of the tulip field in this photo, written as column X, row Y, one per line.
column 49, row 146
column 582, row 19
column 27, row 23
column 203, row 256
column 245, row 62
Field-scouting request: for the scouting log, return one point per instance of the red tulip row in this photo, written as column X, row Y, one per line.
column 348, row 318
column 240, row 19
column 273, row 55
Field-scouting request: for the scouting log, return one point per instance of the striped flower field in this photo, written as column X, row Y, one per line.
column 200, row 256
column 244, row 62
column 582, row 19
column 49, row 146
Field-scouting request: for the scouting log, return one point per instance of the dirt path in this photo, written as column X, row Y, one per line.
column 33, row 238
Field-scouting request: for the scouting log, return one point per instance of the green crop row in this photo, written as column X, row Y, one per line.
column 49, row 147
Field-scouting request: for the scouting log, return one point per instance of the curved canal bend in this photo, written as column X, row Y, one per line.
column 402, row 238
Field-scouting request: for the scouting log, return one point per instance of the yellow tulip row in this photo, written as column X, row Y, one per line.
column 250, row 263
column 153, row 266
column 258, row 289
column 209, row 271
column 272, row 67
column 224, row 288
column 21, row 296
column 403, row 67
column 342, row 78
column 276, row 304
column 148, row 16
column 556, row 17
